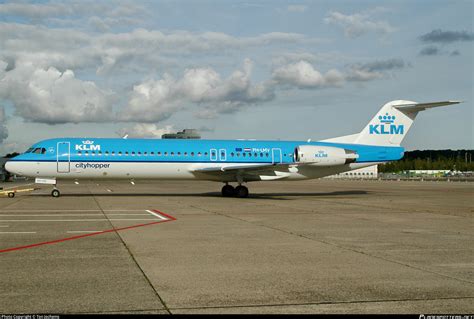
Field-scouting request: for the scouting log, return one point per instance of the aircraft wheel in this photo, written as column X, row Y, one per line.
column 241, row 191
column 55, row 193
column 228, row 190
column 11, row 195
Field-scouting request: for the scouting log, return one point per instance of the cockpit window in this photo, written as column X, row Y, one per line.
column 39, row 150
column 29, row 150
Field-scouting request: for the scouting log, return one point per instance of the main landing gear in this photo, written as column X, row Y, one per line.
column 239, row 191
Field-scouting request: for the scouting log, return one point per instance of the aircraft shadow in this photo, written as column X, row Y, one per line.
column 276, row 196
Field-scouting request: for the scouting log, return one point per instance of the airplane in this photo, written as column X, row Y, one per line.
column 226, row 161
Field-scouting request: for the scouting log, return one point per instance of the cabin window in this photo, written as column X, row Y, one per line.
column 266, row 154
column 113, row 153
column 133, row 153
column 87, row 153
column 119, row 153
column 238, row 154
column 185, row 153
column 179, row 153
column 139, row 153
column 261, row 154
column 244, row 154
column 192, row 153
column 232, row 154
column 100, row 153
column 106, row 153
column 145, row 154
column 205, row 153
column 152, row 153
column 199, row 153
column 159, row 153
column 172, row 153
column 166, row 153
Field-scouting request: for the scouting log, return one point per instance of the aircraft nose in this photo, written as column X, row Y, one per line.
column 11, row 167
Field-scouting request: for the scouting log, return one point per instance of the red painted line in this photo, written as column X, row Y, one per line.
column 161, row 213
column 171, row 218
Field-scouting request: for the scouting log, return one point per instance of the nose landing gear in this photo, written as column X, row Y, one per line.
column 55, row 192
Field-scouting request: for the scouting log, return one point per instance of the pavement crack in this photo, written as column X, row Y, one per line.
column 321, row 303
column 132, row 256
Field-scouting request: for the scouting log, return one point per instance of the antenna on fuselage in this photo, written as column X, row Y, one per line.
column 309, row 140
column 125, row 136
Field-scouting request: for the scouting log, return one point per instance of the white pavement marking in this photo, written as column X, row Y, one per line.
column 18, row 232
column 72, row 220
column 157, row 215
column 69, row 210
column 60, row 215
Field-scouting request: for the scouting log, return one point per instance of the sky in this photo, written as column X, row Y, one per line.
column 288, row 70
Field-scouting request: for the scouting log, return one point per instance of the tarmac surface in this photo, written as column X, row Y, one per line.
column 321, row 246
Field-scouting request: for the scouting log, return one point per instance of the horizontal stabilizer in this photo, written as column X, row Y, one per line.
column 416, row 107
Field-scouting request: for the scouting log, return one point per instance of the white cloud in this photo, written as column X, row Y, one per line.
column 156, row 100
column 374, row 70
column 3, row 127
column 355, row 25
column 140, row 48
column 302, row 75
column 35, row 11
column 71, row 11
column 50, row 96
column 145, row 130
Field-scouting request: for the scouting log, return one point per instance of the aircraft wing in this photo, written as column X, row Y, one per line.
column 263, row 171
column 248, row 167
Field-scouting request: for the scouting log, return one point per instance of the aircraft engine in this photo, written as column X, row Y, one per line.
column 324, row 155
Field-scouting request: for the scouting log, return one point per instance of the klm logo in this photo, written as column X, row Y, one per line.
column 321, row 154
column 386, row 126
column 87, row 146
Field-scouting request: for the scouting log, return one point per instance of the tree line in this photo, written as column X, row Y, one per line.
column 456, row 160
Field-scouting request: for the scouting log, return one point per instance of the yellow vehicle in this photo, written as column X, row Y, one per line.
column 11, row 192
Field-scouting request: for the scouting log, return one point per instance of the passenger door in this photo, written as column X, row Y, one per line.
column 63, row 157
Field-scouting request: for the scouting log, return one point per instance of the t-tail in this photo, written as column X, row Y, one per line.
column 391, row 123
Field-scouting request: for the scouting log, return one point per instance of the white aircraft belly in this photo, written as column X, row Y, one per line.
column 113, row 170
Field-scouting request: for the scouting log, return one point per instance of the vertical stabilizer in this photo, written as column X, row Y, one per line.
column 391, row 124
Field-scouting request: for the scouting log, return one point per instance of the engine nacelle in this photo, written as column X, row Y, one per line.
column 324, row 155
